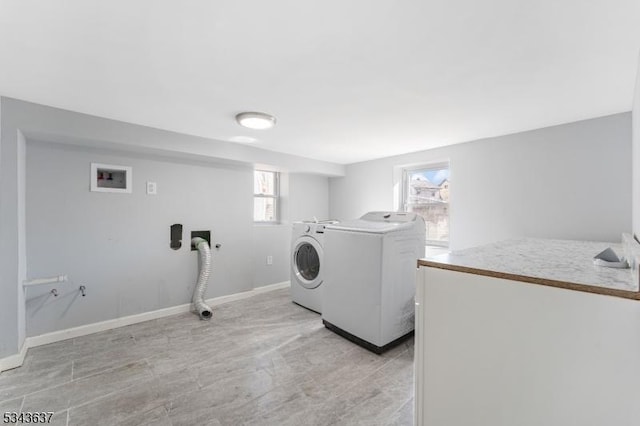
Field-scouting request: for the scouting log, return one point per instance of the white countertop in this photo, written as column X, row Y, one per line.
column 559, row 260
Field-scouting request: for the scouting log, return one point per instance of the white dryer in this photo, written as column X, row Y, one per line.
column 307, row 263
column 369, row 277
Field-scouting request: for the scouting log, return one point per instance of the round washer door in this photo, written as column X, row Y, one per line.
column 307, row 254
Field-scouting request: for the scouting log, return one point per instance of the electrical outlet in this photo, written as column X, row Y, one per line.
column 152, row 188
column 269, row 260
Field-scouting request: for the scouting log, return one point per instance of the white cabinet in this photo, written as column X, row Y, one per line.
column 497, row 352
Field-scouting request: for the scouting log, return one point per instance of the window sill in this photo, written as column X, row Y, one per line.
column 430, row 251
column 267, row 224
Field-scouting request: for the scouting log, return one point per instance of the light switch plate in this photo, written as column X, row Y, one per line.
column 152, row 188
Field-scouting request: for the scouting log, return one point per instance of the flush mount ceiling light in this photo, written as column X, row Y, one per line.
column 256, row 120
column 243, row 139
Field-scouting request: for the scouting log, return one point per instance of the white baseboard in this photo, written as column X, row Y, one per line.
column 96, row 327
column 238, row 296
column 16, row 360
column 271, row 287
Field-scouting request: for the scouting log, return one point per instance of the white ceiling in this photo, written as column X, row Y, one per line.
column 349, row 80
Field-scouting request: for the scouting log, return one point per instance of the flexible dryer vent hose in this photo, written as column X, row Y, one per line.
column 201, row 287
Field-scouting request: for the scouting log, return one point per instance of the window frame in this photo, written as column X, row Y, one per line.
column 275, row 197
column 404, row 202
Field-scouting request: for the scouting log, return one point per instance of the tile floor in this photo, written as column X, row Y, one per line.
column 259, row 361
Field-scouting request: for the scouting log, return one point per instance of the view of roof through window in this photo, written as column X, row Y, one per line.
column 427, row 193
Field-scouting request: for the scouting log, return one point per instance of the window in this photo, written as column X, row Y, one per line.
column 426, row 192
column 265, row 196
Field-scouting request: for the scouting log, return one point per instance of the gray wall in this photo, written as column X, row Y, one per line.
column 8, row 241
column 12, row 253
column 309, row 195
column 118, row 244
column 571, row 181
column 270, row 240
column 636, row 156
column 22, row 243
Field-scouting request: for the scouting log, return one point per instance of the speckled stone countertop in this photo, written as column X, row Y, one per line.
column 558, row 263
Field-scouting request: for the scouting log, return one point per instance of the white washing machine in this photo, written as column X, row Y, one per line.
column 307, row 263
column 369, row 277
